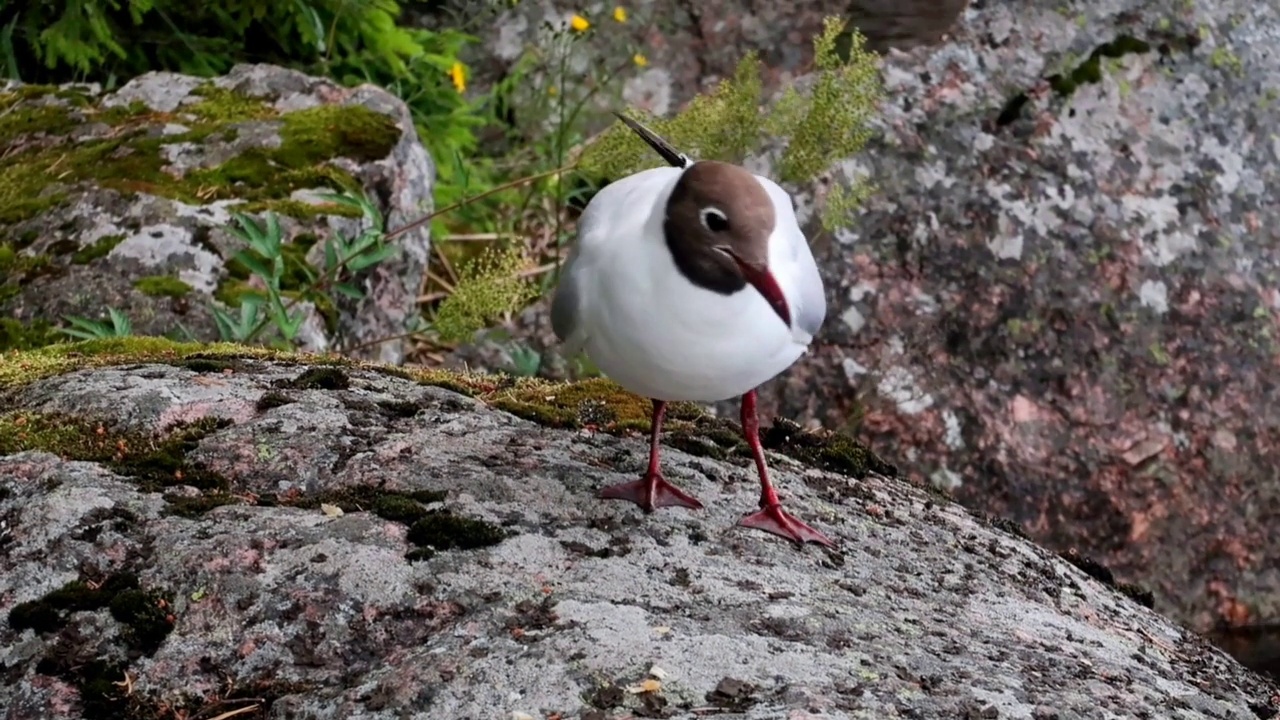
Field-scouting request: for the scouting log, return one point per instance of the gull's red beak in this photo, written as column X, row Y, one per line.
column 764, row 281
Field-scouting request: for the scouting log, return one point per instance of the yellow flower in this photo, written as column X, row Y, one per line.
column 553, row 90
column 458, row 74
column 640, row 59
column 620, row 14
column 579, row 23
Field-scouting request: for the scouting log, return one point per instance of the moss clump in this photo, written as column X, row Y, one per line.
column 319, row 378
column 30, row 365
column 197, row 505
column 99, row 249
column 328, row 131
column 145, row 616
column 597, row 402
column 272, row 399
column 399, row 409
column 51, row 612
column 1090, row 70
column 430, row 529
column 1087, row 72
column 442, row 530
column 161, row 286
column 18, row 268
column 406, row 508
column 224, row 106
column 153, row 462
column 1005, row 524
column 204, row 364
column 145, row 623
column 827, row 450
column 1102, row 574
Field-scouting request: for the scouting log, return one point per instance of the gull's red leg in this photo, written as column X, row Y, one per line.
column 771, row 518
column 652, row 490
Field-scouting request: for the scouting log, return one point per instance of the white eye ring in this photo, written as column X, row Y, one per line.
column 715, row 215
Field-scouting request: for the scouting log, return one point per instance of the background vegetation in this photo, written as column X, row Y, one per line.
column 509, row 182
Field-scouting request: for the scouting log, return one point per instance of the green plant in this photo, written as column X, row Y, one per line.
column 830, row 122
column 111, row 40
column 344, row 258
column 525, row 361
column 523, row 191
column 490, row 286
column 87, row 329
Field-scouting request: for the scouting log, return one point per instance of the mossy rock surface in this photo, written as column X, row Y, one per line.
column 123, row 200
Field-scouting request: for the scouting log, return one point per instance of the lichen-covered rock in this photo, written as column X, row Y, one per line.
column 1063, row 300
column 190, row 532
column 124, row 199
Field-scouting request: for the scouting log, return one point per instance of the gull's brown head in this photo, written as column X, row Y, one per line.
column 718, row 223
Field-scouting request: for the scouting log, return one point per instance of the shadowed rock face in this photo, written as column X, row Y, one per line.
column 904, row 24
column 334, row 543
column 1062, row 302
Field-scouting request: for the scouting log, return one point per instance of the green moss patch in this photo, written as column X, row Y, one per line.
column 442, row 530
column 826, row 450
column 21, row 367
column 430, row 529
column 154, row 462
column 99, row 249
column 131, row 158
column 161, row 286
column 273, row 399
column 51, row 612
column 594, row 402
column 319, row 378
column 1087, row 72
column 208, row 364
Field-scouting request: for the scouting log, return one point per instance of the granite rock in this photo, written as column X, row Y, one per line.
column 383, row 548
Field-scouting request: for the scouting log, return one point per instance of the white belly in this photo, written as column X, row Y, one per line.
column 703, row 347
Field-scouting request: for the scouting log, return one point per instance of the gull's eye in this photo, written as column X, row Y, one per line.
column 715, row 220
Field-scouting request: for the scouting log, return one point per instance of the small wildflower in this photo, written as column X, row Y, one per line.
column 579, row 23
column 640, row 60
column 553, row 90
column 458, row 74
column 620, row 14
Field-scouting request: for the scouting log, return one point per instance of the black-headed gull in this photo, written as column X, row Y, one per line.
column 692, row 282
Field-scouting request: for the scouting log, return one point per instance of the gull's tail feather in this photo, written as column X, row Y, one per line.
column 674, row 157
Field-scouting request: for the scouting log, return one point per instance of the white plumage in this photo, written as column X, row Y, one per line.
column 650, row 329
